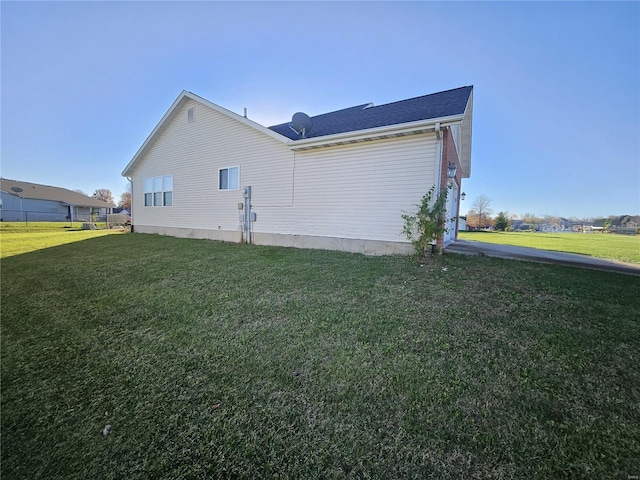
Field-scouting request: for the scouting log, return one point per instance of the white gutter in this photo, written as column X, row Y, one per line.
column 387, row 131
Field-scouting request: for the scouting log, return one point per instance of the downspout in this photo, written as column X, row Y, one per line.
column 131, row 206
column 439, row 153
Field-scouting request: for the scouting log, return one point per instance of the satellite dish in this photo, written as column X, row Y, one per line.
column 301, row 124
column 16, row 189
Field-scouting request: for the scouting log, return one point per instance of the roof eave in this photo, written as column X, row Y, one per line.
column 377, row 133
column 465, row 150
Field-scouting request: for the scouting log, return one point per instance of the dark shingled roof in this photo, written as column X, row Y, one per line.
column 362, row 117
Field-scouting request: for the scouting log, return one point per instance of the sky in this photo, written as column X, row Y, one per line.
column 556, row 116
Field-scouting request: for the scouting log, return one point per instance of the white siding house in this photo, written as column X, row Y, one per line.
column 342, row 186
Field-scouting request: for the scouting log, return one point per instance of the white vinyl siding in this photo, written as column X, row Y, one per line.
column 196, row 153
column 356, row 191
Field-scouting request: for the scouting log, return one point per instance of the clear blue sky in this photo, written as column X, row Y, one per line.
column 556, row 103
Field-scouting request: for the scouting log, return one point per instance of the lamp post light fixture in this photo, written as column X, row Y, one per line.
column 463, row 195
column 451, row 170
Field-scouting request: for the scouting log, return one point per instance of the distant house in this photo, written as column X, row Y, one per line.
column 25, row 201
column 339, row 180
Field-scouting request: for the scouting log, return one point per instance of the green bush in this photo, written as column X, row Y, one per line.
column 424, row 227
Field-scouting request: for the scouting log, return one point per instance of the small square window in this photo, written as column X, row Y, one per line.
column 229, row 178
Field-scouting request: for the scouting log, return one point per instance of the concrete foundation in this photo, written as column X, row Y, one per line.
column 367, row 247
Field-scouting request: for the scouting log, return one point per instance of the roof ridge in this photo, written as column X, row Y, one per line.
column 422, row 96
column 32, row 183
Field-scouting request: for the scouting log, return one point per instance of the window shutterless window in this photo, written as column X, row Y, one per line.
column 148, row 192
column 158, row 191
column 167, row 190
column 229, row 178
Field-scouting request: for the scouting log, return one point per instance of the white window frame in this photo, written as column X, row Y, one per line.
column 237, row 187
column 158, row 186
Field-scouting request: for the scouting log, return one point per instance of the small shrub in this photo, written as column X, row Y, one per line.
column 424, row 227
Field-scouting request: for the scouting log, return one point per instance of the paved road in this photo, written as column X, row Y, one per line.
column 544, row 256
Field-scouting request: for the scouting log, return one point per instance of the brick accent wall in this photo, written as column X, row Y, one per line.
column 449, row 155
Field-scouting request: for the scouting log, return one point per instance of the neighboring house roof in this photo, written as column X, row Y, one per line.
column 366, row 116
column 355, row 124
column 47, row 192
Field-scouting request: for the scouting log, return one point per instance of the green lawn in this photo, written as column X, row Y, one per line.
column 624, row 248
column 215, row 360
column 38, row 235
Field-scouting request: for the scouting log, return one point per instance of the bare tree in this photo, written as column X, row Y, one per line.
column 125, row 200
column 104, row 195
column 482, row 206
column 472, row 219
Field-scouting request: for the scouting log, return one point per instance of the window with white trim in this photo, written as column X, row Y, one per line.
column 229, row 178
column 158, row 191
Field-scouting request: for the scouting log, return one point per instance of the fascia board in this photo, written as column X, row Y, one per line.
column 374, row 133
column 172, row 112
column 466, row 138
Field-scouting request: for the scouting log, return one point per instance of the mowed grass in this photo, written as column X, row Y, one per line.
column 623, row 248
column 38, row 235
column 215, row 360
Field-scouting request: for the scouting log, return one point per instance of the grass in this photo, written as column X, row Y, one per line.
column 38, row 235
column 623, row 248
column 215, row 360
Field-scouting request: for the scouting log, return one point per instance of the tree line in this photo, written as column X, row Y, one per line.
column 480, row 216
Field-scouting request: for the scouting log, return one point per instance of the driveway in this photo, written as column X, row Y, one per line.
column 544, row 256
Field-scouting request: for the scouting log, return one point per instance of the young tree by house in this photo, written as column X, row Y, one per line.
column 125, row 200
column 482, row 206
column 502, row 221
column 428, row 223
column 105, row 195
